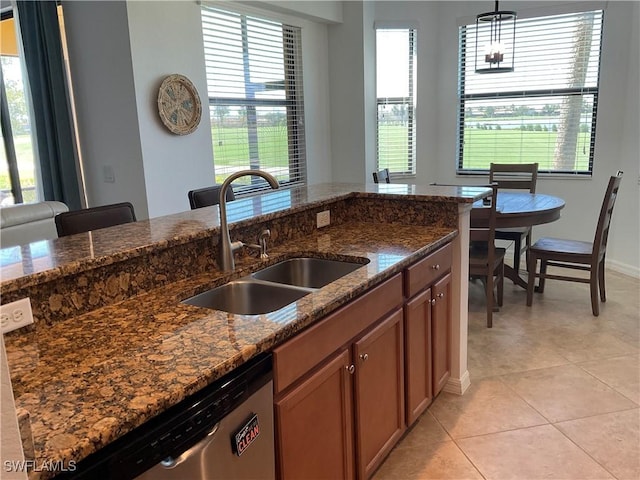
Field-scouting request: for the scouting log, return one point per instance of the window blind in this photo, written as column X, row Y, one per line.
column 254, row 83
column 545, row 110
column 395, row 92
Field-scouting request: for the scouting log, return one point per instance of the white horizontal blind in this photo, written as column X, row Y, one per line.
column 395, row 92
column 254, row 82
column 545, row 110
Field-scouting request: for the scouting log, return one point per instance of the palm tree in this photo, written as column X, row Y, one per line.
column 568, row 131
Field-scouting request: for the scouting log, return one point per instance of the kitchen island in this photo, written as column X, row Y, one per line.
column 113, row 345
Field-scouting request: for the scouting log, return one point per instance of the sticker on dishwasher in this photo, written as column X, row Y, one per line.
column 246, row 435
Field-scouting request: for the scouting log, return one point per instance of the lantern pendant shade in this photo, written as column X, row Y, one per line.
column 495, row 41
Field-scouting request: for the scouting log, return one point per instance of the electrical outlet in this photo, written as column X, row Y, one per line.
column 323, row 218
column 16, row 315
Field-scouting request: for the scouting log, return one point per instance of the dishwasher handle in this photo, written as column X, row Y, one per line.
column 170, row 462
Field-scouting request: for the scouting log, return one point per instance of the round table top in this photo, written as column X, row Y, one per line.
column 521, row 209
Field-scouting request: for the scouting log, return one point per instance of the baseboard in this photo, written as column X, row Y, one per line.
column 623, row 268
column 458, row 385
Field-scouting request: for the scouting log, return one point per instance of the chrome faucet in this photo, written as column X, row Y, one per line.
column 226, row 247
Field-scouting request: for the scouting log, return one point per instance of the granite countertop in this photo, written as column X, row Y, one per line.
column 51, row 259
column 89, row 379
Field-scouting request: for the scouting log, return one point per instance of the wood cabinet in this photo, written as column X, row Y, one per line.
column 314, row 434
column 321, row 431
column 427, row 318
column 379, row 392
column 347, row 387
column 441, row 332
column 419, row 386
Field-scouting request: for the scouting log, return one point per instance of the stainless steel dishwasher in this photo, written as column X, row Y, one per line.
column 224, row 432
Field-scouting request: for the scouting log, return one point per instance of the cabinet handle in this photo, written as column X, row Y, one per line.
column 432, row 301
column 436, row 266
column 440, row 295
column 364, row 356
column 350, row 369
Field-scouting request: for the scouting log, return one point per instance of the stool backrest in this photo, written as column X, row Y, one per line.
column 205, row 197
column 382, row 176
column 94, row 218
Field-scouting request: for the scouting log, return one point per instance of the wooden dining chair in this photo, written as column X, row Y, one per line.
column 382, row 176
column 94, row 218
column 512, row 176
column 576, row 254
column 205, row 197
column 486, row 261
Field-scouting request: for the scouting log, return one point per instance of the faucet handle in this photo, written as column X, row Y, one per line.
column 262, row 241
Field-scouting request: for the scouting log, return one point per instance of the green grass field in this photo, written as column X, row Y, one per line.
column 481, row 147
column 230, row 146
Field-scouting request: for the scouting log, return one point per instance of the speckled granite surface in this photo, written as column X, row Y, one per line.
column 92, row 377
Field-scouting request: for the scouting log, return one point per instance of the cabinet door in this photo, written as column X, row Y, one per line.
column 379, row 392
column 441, row 331
column 417, row 325
column 315, row 424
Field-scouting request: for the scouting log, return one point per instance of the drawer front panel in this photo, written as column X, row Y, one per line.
column 427, row 270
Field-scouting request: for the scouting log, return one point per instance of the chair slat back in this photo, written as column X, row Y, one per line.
column 94, row 218
column 205, row 197
column 604, row 219
column 483, row 225
column 514, row 176
column 382, row 176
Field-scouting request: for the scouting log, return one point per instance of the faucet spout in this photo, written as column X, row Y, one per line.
column 225, row 246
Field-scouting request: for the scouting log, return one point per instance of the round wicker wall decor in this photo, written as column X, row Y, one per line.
column 179, row 104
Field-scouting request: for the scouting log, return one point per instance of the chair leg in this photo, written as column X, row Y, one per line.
column 543, row 274
column 489, row 295
column 603, row 294
column 528, row 242
column 531, row 268
column 517, row 246
column 593, row 284
column 500, row 278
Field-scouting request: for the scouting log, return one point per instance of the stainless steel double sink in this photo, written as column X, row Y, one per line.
column 274, row 287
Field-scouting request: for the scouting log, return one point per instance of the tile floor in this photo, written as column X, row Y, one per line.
column 555, row 393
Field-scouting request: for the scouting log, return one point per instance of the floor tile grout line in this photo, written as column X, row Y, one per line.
column 582, row 449
column 454, row 440
column 610, row 386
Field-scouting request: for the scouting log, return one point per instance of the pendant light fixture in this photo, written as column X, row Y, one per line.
column 495, row 41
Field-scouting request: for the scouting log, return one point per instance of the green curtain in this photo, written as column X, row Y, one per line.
column 54, row 129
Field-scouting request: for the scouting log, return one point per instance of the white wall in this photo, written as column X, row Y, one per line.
column 347, row 94
column 166, row 38
column 624, row 247
column 103, row 83
column 616, row 134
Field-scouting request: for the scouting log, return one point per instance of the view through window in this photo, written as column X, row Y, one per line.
column 254, row 81
column 17, row 167
column 395, row 92
column 545, row 110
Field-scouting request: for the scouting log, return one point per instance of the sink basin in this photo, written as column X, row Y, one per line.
column 307, row 272
column 247, row 297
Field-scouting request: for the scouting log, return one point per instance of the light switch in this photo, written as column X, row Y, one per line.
column 107, row 174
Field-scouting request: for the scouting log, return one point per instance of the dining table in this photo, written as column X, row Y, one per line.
column 521, row 209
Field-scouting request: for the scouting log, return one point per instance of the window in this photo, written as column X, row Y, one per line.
column 395, row 92
column 545, row 110
column 18, row 167
column 254, row 81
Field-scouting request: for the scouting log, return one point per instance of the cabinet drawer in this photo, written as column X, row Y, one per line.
column 427, row 270
column 307, row 349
